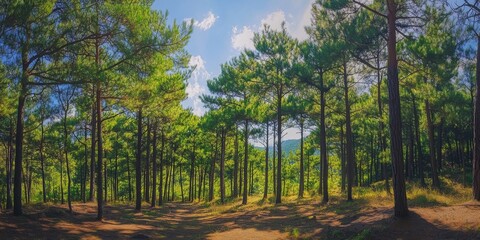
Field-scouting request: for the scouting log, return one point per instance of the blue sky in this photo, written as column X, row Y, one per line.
column 223, row 28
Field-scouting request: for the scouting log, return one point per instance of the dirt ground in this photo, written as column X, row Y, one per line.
column 287, row 221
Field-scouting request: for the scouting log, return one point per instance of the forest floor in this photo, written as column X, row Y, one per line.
column 367, row 217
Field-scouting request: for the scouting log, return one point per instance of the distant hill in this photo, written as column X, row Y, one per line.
column 288, row 146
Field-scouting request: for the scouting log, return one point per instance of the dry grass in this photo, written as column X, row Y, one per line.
column 451, row 193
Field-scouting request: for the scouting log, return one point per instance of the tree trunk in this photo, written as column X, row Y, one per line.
column 439, row 144
column 17, row 181
column 85, row 166
column 349, row 138
column 10, row 166
column 212, row 170
column 240, row 178
column 418, row 143
column 222, row 165
column 105, row 179
column 431, row 143
column 62, row 200
column 129, row 179
column 251, row 179
column 154, row 166
column 100, row 153
column 92, row 148
column 302, row 180
column 147, row 164
column 409, row 168
column 42, row 160
column 138, row 163
column 245, row 163
column 265, row 189
column 172, row 185
column 235, row 167
column 323, row 144
column 395, row 119
column 160, row 193
column 200, row 181
column 274, row 159
column 342, row 158
column 65, row 145
column 167, row 174
column 278, row 198
column 191, row 194
column 476, row 130
column 115, row 185
column 181, row 181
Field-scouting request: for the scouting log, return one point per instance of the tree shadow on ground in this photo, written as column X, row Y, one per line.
column 345, row 220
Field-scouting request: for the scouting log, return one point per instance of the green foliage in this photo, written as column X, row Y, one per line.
column 66, row 50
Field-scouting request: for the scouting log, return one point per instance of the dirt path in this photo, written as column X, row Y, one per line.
column 194, row 221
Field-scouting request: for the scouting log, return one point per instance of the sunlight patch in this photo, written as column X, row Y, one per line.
column 248, row 233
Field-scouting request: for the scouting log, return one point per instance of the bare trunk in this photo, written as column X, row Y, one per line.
column 265, row 189
column 274, row 159
column 92, row 150
column 222, row 165
column 395, row 120
column 154, row 167
column 147, row 164
column 100, row 154
column 191, row 192
column 342, row 158
column 302, row 180
column 476, row 130
column 278, row 198
column 181, row 181
column 129, row 179
column 431, row 148
column 9, row 167
column 323, row 144
column 349, row 146
column 418, row 143
column 42, row 160
column 245, row 164
column 138, row 164
column 212, row 170
column 85, row 166
column 235, row 167
column 17, row 181
column 65, row 145
column 160, row 192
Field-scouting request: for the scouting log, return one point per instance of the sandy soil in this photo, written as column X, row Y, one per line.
column 288, row 221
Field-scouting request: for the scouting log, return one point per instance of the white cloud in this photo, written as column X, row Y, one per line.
column 206, row 23
column 194, row 88
column 200, row 70
column 275, row 20
column 295, row 27
column 242, row 39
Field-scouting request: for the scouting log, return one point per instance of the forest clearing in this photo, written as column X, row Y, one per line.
column 433, row 215
column 275, row 119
